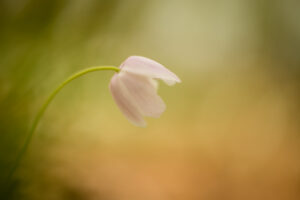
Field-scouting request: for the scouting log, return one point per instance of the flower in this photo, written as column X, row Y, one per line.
column 134, row 88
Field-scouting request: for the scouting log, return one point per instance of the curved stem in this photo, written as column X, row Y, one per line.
column 44, row 107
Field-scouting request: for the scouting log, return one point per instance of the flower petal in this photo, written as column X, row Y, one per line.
column 124, row 102
column 147, row 67
column 142, row 91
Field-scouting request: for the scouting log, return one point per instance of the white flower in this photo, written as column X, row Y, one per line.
column 134, row 88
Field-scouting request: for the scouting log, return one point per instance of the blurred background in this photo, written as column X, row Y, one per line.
column 231, row 129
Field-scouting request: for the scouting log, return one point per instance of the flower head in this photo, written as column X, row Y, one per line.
column 134, row 88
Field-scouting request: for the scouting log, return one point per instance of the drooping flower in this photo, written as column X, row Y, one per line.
column 134, row 88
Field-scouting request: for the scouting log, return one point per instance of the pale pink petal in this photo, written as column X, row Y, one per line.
column 124, row 102
column 142, row 91
column 150, row 68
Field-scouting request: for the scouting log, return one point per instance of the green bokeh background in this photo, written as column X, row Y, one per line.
column 231, row 128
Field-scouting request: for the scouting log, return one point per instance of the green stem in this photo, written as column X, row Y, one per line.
column 44, row 107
